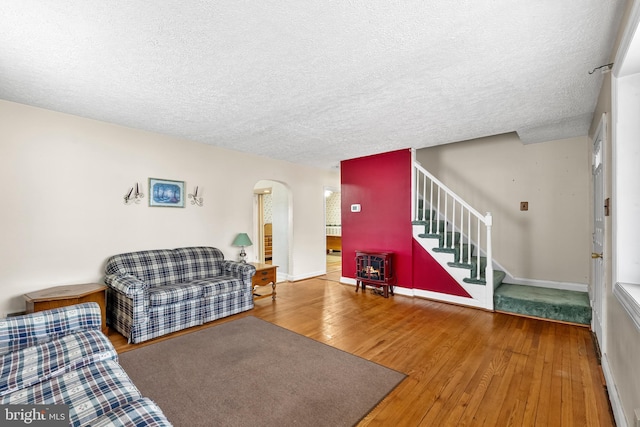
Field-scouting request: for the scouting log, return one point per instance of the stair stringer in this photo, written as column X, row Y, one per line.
column 478, row 292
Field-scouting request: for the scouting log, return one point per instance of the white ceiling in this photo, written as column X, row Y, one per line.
column 316, row 81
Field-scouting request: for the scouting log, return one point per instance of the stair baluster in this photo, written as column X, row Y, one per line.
column 478, row 255
column 430, row 204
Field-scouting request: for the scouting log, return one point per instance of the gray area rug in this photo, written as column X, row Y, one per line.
column 249, row 372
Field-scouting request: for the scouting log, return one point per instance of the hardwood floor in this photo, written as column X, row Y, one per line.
column 464, row 366
column 334, row 262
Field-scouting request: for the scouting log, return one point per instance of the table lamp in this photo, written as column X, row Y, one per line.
column 242, row 240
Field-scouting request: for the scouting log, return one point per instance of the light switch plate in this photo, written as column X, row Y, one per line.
column 355, row 207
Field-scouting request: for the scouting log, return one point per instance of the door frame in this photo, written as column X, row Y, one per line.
column 332, row 190
column 597, row 288
column 282, row 228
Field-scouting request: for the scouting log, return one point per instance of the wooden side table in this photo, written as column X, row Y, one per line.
column 265, row 274
column 63, row 296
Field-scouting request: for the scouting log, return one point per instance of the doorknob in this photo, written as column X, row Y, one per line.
column 595, row 255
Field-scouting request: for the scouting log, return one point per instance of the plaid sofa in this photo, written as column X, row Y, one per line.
column 156, row 292
column 60, row 357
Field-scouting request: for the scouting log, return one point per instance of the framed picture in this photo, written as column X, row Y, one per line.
column 167, row 193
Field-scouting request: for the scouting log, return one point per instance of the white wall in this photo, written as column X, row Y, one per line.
column 64, row 178
column 551, row 241
column 281, row 219
column 622, row 343
column 627, row 159
column 623, row 337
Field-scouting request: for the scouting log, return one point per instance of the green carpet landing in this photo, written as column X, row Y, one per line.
column 554, row 304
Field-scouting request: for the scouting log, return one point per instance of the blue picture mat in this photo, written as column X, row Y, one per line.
column 163, row 192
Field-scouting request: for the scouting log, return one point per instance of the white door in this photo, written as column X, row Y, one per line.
column 597, row 293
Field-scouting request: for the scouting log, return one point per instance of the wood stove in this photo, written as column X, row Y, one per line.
column 375, row 269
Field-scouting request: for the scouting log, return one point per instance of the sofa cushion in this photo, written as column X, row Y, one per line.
column 36, row 328
column 40, row 362
column 154, row 267
column 141, row 412
column 90, row 391
column 199, row 262
column 170, row 294
column 219, row 285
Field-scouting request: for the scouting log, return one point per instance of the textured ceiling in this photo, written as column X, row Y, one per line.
column 317, row 81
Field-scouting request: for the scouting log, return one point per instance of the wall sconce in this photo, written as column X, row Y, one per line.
column 132, row 197
column 242, row 240
column 195, row 199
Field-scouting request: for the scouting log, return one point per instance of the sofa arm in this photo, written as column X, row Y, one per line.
column 127, row 303
column 126, row 284
column 241, row 270
column 25, row 331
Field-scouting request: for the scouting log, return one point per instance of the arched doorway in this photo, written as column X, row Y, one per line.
column 273, row 225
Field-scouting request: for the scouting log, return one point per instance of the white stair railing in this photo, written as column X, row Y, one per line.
column 454, row 215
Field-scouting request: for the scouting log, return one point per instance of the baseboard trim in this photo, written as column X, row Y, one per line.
column 614, row 398
column 451, row 299
column 566, row 286
column 302, row 276
column 348, row 281
column 420, row 293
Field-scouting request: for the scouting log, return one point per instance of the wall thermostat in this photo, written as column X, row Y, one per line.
column 355, row 208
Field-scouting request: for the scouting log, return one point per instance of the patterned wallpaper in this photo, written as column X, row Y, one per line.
column 333, row 209
column 268, row 208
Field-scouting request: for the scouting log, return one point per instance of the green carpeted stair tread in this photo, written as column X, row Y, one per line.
column 556, row 304
column 431, row 227
column 426, row 216
column 446, row 239
column 455, row 250
column 449, row 239
column 429, row 236
column 536, row 293
column 498, row 277
column 472, row 265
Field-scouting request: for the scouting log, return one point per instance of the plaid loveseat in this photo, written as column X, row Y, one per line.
column 156, row 292
column 60, row 357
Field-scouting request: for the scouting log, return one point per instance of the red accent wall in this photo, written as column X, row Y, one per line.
column 431, row 276
column 381, row 184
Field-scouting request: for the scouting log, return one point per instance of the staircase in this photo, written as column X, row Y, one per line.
column 459, row 256
column 443, row 225
column 464, row 254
